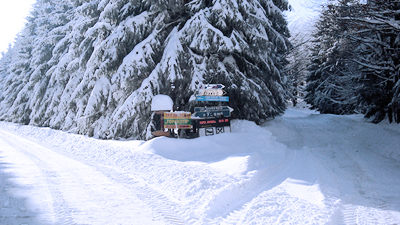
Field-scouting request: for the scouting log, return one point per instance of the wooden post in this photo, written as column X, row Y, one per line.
column 162, row 122
column 161, row 132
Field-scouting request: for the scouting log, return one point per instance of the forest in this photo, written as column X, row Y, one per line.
column 92, row 67
column 354, row 61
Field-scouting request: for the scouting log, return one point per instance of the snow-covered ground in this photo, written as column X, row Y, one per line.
column 301, row 168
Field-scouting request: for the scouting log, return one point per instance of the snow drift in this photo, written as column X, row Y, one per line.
column 302, row 168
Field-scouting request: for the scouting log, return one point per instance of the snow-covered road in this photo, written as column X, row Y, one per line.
column 61, row 190
column 359, row 163
column 302, row 168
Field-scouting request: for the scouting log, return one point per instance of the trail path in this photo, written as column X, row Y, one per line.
column 353, row 161
column 301, row 168
column 62, row 190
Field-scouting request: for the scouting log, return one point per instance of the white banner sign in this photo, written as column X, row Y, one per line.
column 212, row 86
column 211, row 92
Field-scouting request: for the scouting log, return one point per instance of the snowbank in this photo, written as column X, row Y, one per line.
column 302, row 168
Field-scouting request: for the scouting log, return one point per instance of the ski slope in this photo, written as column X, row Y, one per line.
column 301, row 168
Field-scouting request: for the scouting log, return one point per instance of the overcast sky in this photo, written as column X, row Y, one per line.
column 14, row 12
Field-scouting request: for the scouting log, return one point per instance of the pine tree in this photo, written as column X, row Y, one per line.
column 299, row 57
column 13, row 106
column 51, row 43
column 34, row 48
column 5, row 61
column 332, row 82
column 378, row 57
column 369, row 43
column 96, row 64
column 249, row 55
column 184, row 51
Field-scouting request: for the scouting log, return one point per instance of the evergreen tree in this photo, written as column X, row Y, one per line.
column 299, row 57
column 93, row 66
column 35, row 47
column 332, row 81
column 365, row 60
column 378, row 57
column 16, row 74
column 50, row 45
column 247, row 57
column 5, row 61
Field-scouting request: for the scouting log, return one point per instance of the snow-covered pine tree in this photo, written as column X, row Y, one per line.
column 5, row 61
column 72, row 97
column 129, row 54
column 378, row 57
column 331, row 83
column 242, row 44
column 179, row 50
column 35, row 44
column 16, row 74
column 112, row 56
column 365, row 62
column 299, row 58
column 50, row 44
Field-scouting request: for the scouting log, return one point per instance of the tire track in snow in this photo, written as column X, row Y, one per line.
column 345, row 214
column 167, row 210
column 229, row 203
column 62, row 212
column 355, row 189
column 97, row 197
column 160, row 204
column 348, row 149
column 349, row 213
column 356, row 214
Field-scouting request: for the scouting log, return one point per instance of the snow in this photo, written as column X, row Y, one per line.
column 161, row 102
column 93, row 67
column 301, row 168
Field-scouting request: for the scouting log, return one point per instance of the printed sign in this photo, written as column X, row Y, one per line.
column 212, row 111
column 223, row 122
column 212, row 108
column 209, row 131
column 219, row 130
column 212, row 86
column 180, row 120
column 211, row 92
column 219, row 113
column 212, row 99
